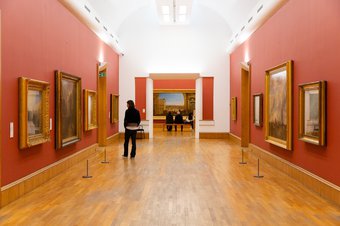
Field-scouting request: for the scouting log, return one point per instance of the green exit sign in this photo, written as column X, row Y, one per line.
column 102, row 74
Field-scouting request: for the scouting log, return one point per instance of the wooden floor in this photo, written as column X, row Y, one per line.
column 174, row 180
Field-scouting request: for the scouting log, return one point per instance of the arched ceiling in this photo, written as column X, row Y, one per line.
column 115, row 12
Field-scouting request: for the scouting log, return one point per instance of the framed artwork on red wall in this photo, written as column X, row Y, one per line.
column 278, row 105
column 312, row 113
column 34, row 127
column 233, row 105
column 258, row 109
column 90, row 109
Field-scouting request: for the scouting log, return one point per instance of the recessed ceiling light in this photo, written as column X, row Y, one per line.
column 182, row 9
column 166, row 18
column 182, row 18
column 165, row 10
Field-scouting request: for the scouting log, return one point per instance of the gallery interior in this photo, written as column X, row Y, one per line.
column 238, row 102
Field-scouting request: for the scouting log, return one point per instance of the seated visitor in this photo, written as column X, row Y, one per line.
column 169, row 120
column 178, row 120
column 190, row 120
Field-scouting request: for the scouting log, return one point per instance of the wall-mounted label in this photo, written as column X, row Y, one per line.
column 50, row 124
column 143, row 110
column 11, row 130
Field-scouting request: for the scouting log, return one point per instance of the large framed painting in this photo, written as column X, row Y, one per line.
column 68, row 109
column 258, row 109
column 90, row 109
column 312, row 113
column 234, row 108
column 278, row 105
column 34, row 125
column 114, row 108
column 173, row 100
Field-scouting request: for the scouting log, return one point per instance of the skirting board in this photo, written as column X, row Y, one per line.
column 15, row 190
column 322, row 187
column 214, row 135
column 234, row 138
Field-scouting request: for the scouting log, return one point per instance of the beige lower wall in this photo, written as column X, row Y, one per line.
column 322, row 187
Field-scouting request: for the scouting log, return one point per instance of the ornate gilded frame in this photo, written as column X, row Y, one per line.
column 60, row 121
column 25, row 85
column 233, row 108
column 114, row 108
column 90, row 110
column 260, row 109
column 285, row 70
column 320, row 128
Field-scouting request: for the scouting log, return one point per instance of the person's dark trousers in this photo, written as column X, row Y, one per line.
column 169, row 128
column 176, row 128
column 128, row 134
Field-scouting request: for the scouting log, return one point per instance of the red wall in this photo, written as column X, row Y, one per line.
column 38, row 38
column 174, row 84
column 208, row 98
column 140, row 96
column 307, row 32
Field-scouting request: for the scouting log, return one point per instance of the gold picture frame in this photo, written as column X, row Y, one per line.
column 90, row 109
column 278, row 105
column 258, row 109
column 234, row 108
column 34, row 126
column 68, row 109
column 114, row 108
column 312, row 112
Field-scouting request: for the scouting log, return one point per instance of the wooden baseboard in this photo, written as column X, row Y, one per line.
column 214, row 135
column 112, row 139
column 322, row 187
column 15, row 190
column 234, row 138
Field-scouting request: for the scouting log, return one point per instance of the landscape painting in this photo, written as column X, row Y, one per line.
column 278, row 124
column 33, row 112
column 90, row 109
column 173, row 102
column 258, row 108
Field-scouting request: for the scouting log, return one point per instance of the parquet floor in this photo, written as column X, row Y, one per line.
column 174, row 180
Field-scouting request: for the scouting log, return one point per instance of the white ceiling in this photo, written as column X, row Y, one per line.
column 115, row 12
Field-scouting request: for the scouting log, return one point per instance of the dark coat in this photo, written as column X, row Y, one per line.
column 169, row 119
column 179, row 119
column 131, row 116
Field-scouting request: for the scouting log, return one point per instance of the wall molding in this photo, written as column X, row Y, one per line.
column 315, row 183
column 234, row 138
column 18, row 188
column 214, row 135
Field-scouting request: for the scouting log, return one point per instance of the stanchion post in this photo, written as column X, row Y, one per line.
column 258, row 170
column 105, row 161
column 242, row 162
column 87, row 170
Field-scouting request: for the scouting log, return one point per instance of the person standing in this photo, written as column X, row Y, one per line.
column 131, row 123
column 179, row 120
column 169, row 120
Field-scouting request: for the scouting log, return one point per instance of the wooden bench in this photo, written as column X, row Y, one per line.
column 176, row 124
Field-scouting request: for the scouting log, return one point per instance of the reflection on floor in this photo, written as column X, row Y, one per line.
column 174, row 180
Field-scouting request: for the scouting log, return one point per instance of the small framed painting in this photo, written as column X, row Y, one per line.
column 257, row 109
column 234, row 108
column 34, row 126
column 68, row 109
column 90, row 109
column 114, row 108
column 278, row 105
column 312, row 113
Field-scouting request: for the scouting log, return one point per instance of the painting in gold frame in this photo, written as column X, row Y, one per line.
column 34, row 125
column 258, row 109
column 312, row 113
column 114, row 108
column 278, row 105
column 234, row 108
column 68, row 109
column 90, row 109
